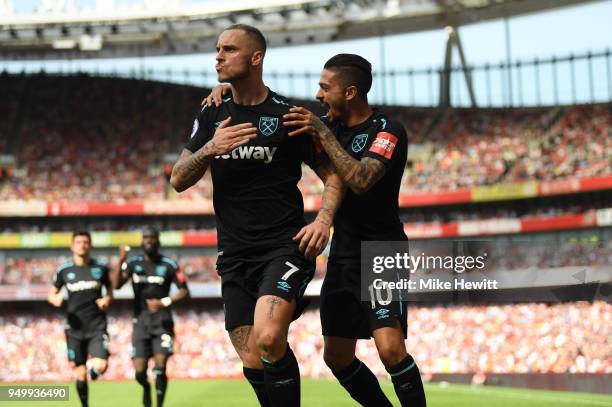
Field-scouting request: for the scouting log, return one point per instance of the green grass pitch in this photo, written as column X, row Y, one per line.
column 317, row 393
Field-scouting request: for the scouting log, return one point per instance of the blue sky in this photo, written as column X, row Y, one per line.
column 567, row 30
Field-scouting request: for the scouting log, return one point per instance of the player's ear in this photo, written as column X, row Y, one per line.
column 350, row 92
column 257, row 58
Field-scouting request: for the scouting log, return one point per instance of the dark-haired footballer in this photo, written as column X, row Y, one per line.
column 152, row 274
column 368, row 150
column 265, row 248
column 86, row 333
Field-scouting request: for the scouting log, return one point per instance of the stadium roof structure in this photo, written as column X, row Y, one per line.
column 58, row 29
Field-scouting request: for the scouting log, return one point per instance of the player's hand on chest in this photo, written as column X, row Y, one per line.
column 269, row 146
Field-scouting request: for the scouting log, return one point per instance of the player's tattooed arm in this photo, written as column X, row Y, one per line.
column 190, row 167
column 359, row 176
column 240, row 337
column 333, row 193
column 314, row 237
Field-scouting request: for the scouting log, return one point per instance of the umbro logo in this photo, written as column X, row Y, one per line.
column 283, row 285
column 382, row 313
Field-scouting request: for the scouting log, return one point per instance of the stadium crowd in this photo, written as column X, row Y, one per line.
column 87, row 139
column 105, row 139
column 543, row 251
column 471, row 147
column 520, row 338
column 579, row 146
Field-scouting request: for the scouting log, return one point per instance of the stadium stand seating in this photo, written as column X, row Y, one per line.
column 596, row 250
column 520, row 338
column 105, row 139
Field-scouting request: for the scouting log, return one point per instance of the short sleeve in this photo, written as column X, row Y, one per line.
column 315, row 154
column 388, row 144
column 178, row 277
column 127, row 268
column 201, row 131
column 58, row 278
column 106, row 276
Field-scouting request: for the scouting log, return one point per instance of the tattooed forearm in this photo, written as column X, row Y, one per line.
column 240, row 337
column 273, row 302
column 360, row 176
column 332, row 194
column 325, row 216
column 191, row 167
column 369, row 172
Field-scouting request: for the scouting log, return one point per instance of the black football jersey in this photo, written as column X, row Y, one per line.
column 84, row 285
column 152, row 280
column 374, row 215
column 258, row 206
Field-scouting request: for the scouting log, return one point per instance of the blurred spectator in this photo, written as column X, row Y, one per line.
column 521, row 338
column 470, row 147
column 97, row 139
column 503, row 254
column 105, row 139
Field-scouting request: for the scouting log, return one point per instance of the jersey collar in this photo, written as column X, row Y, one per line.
column 363, row 125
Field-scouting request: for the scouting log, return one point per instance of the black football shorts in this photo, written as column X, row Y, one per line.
column 79, row 345
column 243, row 282
column 152, row 334
column 345, row 315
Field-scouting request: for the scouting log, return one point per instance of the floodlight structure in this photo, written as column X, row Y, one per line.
column 58, row 28
column 453, row 40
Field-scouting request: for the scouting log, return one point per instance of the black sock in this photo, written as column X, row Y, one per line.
column 161, row 382
column 256, row 378
column 362, row 385
column 141, row 377
column 81, row 386
column 283, row 381
column 407, row 383
column 94, row 374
